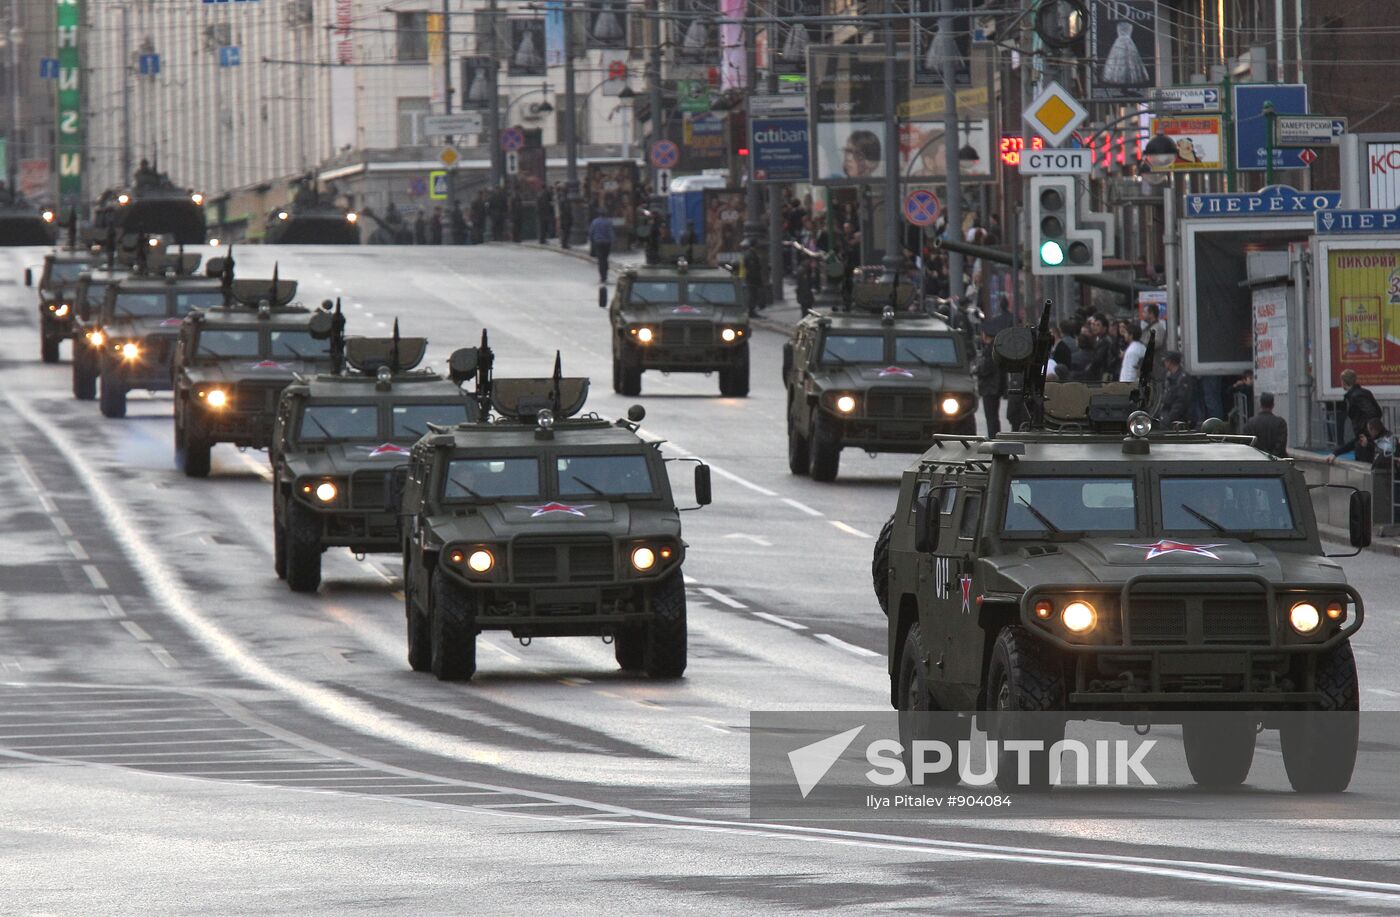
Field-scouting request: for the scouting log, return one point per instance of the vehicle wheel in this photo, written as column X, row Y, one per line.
column 1319, row 746
column 191, row 453
column 452, row 631
column 664, row 656
column 84, row 375
column 48, row 348
column 113, row 402
column 1023, row 680
column 880, row 565
column 629, row 375
column 630, row 648
column 1219, row 748
column 787, row 360
column 303, row 549
column 799, row 454
column 279, row 545
column 824, row 447
column 915, row 705
column 734, row 379
column 617, row 375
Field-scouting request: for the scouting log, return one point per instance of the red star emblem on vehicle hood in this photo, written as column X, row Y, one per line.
column 685, row 310
column 387, row 449
column 1167, row 546
column 895, row 371
column 547, row 508
column 268, row 364
column 172, row 323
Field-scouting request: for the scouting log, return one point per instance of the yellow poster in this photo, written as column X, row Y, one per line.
column 1363, row 314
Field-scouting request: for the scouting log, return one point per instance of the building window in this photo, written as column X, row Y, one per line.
column 412, row 32
column 411, row 111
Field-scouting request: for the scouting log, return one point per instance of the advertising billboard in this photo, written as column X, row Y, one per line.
column 1358, row 315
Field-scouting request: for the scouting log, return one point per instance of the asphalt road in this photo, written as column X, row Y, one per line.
column 179, row 733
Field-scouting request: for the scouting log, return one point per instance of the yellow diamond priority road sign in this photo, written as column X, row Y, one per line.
column 1054, row 114
column 448, row 156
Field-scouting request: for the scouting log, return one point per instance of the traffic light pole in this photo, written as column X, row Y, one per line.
column 775, row 196
column 493, row 105
column 448, row 231
column 893, row 246
column 952, row 166
column 571, row 185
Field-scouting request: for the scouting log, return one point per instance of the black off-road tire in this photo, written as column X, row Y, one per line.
column 665, row 654
column 452, row 629
column 1219, row 748
column 880, row 565
column 191, row 452
column 113, row 400
column 915, row 703
column 630, row 648
column 48, row 348
column 84, row 374
column 787, row 360
column 303, row 549
column 1319, row 746
column 824, row 448
column 617, row 375
column 420, row 638
column 799, row 452
column 629, row 373
column 279, row 543
column 1022, row 678
column 734, row 379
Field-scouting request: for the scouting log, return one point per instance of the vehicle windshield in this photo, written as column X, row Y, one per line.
column 926, row 349
column 199, row 299
column 139, row 305
column 65, row 272
column 716, row 293
column 492, row 478
column 413, row 419
column 299, row 345
column 603, row 475
column 1232, row 504
column 96, row 292
column 646, row 292
column 1065, row 504
column 322, row 422
column 229, row 342
column 853, row 348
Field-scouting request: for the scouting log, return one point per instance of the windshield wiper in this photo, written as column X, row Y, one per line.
column 832, row 355
column 412, row 430
column 580, row 480
column 319, row 425
column 1050, row 526
column 296, row 353
column 921, row 360
column 464, row 487
column 1219, row 529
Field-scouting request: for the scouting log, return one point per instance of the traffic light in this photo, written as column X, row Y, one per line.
column 1060, row 243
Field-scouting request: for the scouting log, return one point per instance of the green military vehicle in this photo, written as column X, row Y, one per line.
column 140, row 321
column 232, row 362
column 337, row 439
column 1093, row 567
column 88, row 339
column 58, row 290
column 878, row 378
column 679, row 318
column 544, row 523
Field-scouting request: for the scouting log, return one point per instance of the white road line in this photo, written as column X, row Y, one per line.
column 719, row 729
column 47, row 503
column 1383, row 692
column 258, row 468
column 95, row 577
column 802, row 507
column 781, row 622
column 60, row 526
column 843, row 645
column 720, row 597
column 742, row 482
column 688, row 579
column 77, row 551
column 848, row 529
column 163, row 655
column 761, row 542
column 114, row 608
column 136, row 631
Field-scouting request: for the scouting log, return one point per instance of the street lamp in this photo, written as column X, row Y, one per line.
column 1160, row 152
column 538, row 107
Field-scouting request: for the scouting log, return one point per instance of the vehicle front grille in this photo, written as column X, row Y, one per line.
column 1154, row 620
column 1238, row 620
column 157, row 350
column 906, row 404
column 367, row 490
column 1160, row 621
column 589, row 561
column 687, row 334
column 257, row 397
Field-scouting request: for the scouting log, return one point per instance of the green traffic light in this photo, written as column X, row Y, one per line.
column 1051, row 253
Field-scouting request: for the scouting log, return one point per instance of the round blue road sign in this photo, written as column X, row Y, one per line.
column 921, row 207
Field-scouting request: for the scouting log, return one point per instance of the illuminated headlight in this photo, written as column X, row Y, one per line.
column 1304, row 617
column 1078, row 617
column 153, row 243
column 846, row 404
column 643, row 558
column 130, row 351
column 96, row 338
column 214, row 243
column 48, row 216
column 950, row 405
column 215, row 398
column 1139, row 424
column 61, row 310
column 283, row 215
column 481, row 561
column 197, row 198
column 645, row 335
column 353, row 217
column 729, row 335
column 326, row 491
column 123, row 199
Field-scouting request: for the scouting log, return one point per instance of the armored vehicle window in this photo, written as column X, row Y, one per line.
column 603, row 475
column 228, row 342
column 202, row 299
column 854, row 348
column 931, row 351
column 492, row 478
column 339, row 421
column 654, row 291
column 715, row 294
column 1225, row 504
column 972, row 512
column 96, row 292
column 1071, row 505
column 65, row 271
column 140, row 305
column 298, row 344
column 413, row 419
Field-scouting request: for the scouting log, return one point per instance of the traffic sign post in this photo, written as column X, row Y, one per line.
column 1308, row 130
column 1187, row 98
column 921, row 207
column 1252, row 136
column 664, row 154
column 437, row 185
column 1054, row 114
column 512, row 139
column 465, row 122
column 1057, row 162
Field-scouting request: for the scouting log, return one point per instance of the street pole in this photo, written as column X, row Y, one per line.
column 126, row 93
column 1270, row 117
column 493, row 107
column 775, row 217
column 892, row 217
column 951, row 165
column 753, row 197
column 657, row 131
column 448, row 231
column 571, row 186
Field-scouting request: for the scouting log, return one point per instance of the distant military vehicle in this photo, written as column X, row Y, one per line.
column 879, row 378
column 337, row 440
column 679, row 318
column 313, row 217
column 232, row 362
column 1094, row 567
column 543, row 522
column 58, row 288
column 88, row 339
column 153, row 205
column 23, row 223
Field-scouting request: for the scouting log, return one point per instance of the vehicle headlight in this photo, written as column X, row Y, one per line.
column 96, row 338
column 645, row 335
column 846, row 404
column 123, row 199
column 729, row 335
column 130, row 351
column 215, row 398
column 1304, row 617
column 282, row 215
column 326, row 491
column 48, row 216
column 1139, row 424
column 643, row 558
column 353, row 217
column 950, row 405
column 481, row 561
column 1078, row 617
column 197, row 198
column 61, row 310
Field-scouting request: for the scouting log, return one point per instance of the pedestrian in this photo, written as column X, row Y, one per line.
column 566, row 217
column 435, row 227
column 600, row 241
column 516, row 208
column 1065, row 335
column 1131, row 370
column 850, row 260
column 1082, row 356
column 1269, row 430
column 1176, row 400
column 751, row 266
column 989, row 383
column 544, row 214
column 420, row 229
column 1358, row 407
column 1000, row 319
column 1101, row 350
column 1368, row 444
column 458, row 220
column 1153, row 327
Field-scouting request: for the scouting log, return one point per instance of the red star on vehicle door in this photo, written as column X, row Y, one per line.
column 387, row 449
column 548, row 508
column 965, row 581
column 895, row 371
column 1167, row 546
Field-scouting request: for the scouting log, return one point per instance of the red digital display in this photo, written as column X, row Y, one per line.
column 1012, row 145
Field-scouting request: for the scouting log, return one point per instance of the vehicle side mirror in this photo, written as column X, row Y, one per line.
column 394, row 487
column 704, row 496
column 926, row 513
column 28, row 277
column 1359, row 517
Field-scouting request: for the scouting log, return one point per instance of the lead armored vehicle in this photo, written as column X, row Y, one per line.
column 878, row 378
column 58, row 288
column 232, row 362
column 679, row 318
column 153, row 205
column 337, row 440
column 1096, row 567
column 313, row 217
column 543, row 522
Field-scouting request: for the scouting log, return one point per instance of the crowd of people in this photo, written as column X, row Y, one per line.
column 490, row 215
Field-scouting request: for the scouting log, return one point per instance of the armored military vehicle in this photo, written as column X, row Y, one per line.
column 543, row 522
column 232, row 362
column 1095, row 567
column 679, row 318
column 337, row 439
column 88, row 339
column 313, row 217
column 58, row 288
column 153, row 205
column 140, row 321
column 878, row 378
column 23, row 223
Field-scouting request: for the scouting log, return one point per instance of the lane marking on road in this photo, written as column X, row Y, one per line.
column 720, row 597
column 688, row 579
column 60, row 526
column 575, row 682
column 95, row 577
column 719, row 729
column 47, row 503
column 743, row 482
column 258, row 468
column 136, row 631
column 848, row 529
column 77, row 551
column 1384, row 692
column 843, row 645
column 114, row 608
column 781, row 622
column 761, row 542
column 802, row 507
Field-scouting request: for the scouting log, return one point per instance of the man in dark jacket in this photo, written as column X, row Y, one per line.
column 544, row 214
column 1176, row 400
column 1102, row 361
column 1269, row 430
column 1360, row 406
column 989, row 383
